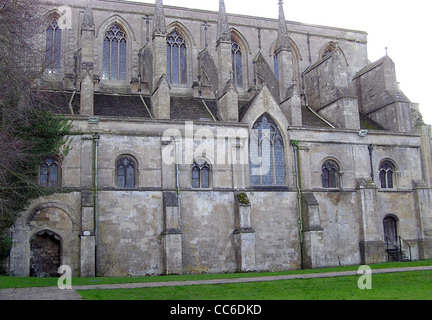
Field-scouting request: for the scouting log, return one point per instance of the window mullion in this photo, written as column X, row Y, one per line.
column 110, row 57
column 118, row 58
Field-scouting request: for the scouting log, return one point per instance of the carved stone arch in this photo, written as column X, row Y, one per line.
column 275, row 119
column 130, row 34
column 265, row 102
column 297, row 57
column 294, row 48
column 49, row 15
column 125, row 153
column 46, row 231
column 334, row 159
column 331, row 47
column 388, row 160
column 242, row 41
column 190, row 40
column 62, row 206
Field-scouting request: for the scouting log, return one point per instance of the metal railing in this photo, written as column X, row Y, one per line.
column 398, row 247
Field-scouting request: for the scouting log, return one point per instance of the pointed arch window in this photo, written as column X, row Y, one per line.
column 126, row 173
column 53, row 47
column 386, row 174
column 49, row 173
column 200, row 175
column 176, row 58
column 267, row 163
column 114, row 53
column 330, row 174
column 237, row 63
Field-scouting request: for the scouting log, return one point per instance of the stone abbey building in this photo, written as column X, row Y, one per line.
column 210, row 142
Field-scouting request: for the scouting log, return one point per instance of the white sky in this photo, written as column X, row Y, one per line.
column 401, row 26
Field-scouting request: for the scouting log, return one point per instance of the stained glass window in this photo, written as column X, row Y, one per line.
column 114, row 54
column 126, row 169
column 49, row 173
column 267, row 162
column 237, row 63
column 176, row 58
column 53, row 46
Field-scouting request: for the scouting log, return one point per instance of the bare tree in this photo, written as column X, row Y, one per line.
column 25, row 135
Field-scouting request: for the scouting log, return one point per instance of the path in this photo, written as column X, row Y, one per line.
column 54, row 293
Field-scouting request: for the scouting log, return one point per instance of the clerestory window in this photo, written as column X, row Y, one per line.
column 53, row 47
column 114, row 54
column 176, row 58
column 237, row 63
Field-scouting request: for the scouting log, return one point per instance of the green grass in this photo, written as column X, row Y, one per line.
column 392, row 286
column 18, row 282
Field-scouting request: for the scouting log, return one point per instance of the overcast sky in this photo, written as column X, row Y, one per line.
column 401, row 26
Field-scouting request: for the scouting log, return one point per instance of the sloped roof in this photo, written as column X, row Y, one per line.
column 124, row 105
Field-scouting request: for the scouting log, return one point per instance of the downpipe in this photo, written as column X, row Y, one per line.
column 299, row 197
column 177, row 178
column 96, row 139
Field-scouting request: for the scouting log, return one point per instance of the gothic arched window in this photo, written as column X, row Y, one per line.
column 267, row 163
column 126, row 172
column 49, row 173
column 386, row 173
column 53, row 46
column 330, row 174
column 176, row 58
column 200, row 175
column 114, row 54
column 237, row 63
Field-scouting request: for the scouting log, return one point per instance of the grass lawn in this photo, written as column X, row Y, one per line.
column 393, row 286
column 410, row 285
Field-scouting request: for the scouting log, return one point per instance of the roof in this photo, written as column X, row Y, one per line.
column 125, row 105
column 182, row 108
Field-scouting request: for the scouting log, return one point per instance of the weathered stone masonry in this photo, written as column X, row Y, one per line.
column 123, row 210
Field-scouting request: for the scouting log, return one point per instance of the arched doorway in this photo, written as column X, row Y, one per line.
column 390, row 232
column 45, row 254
